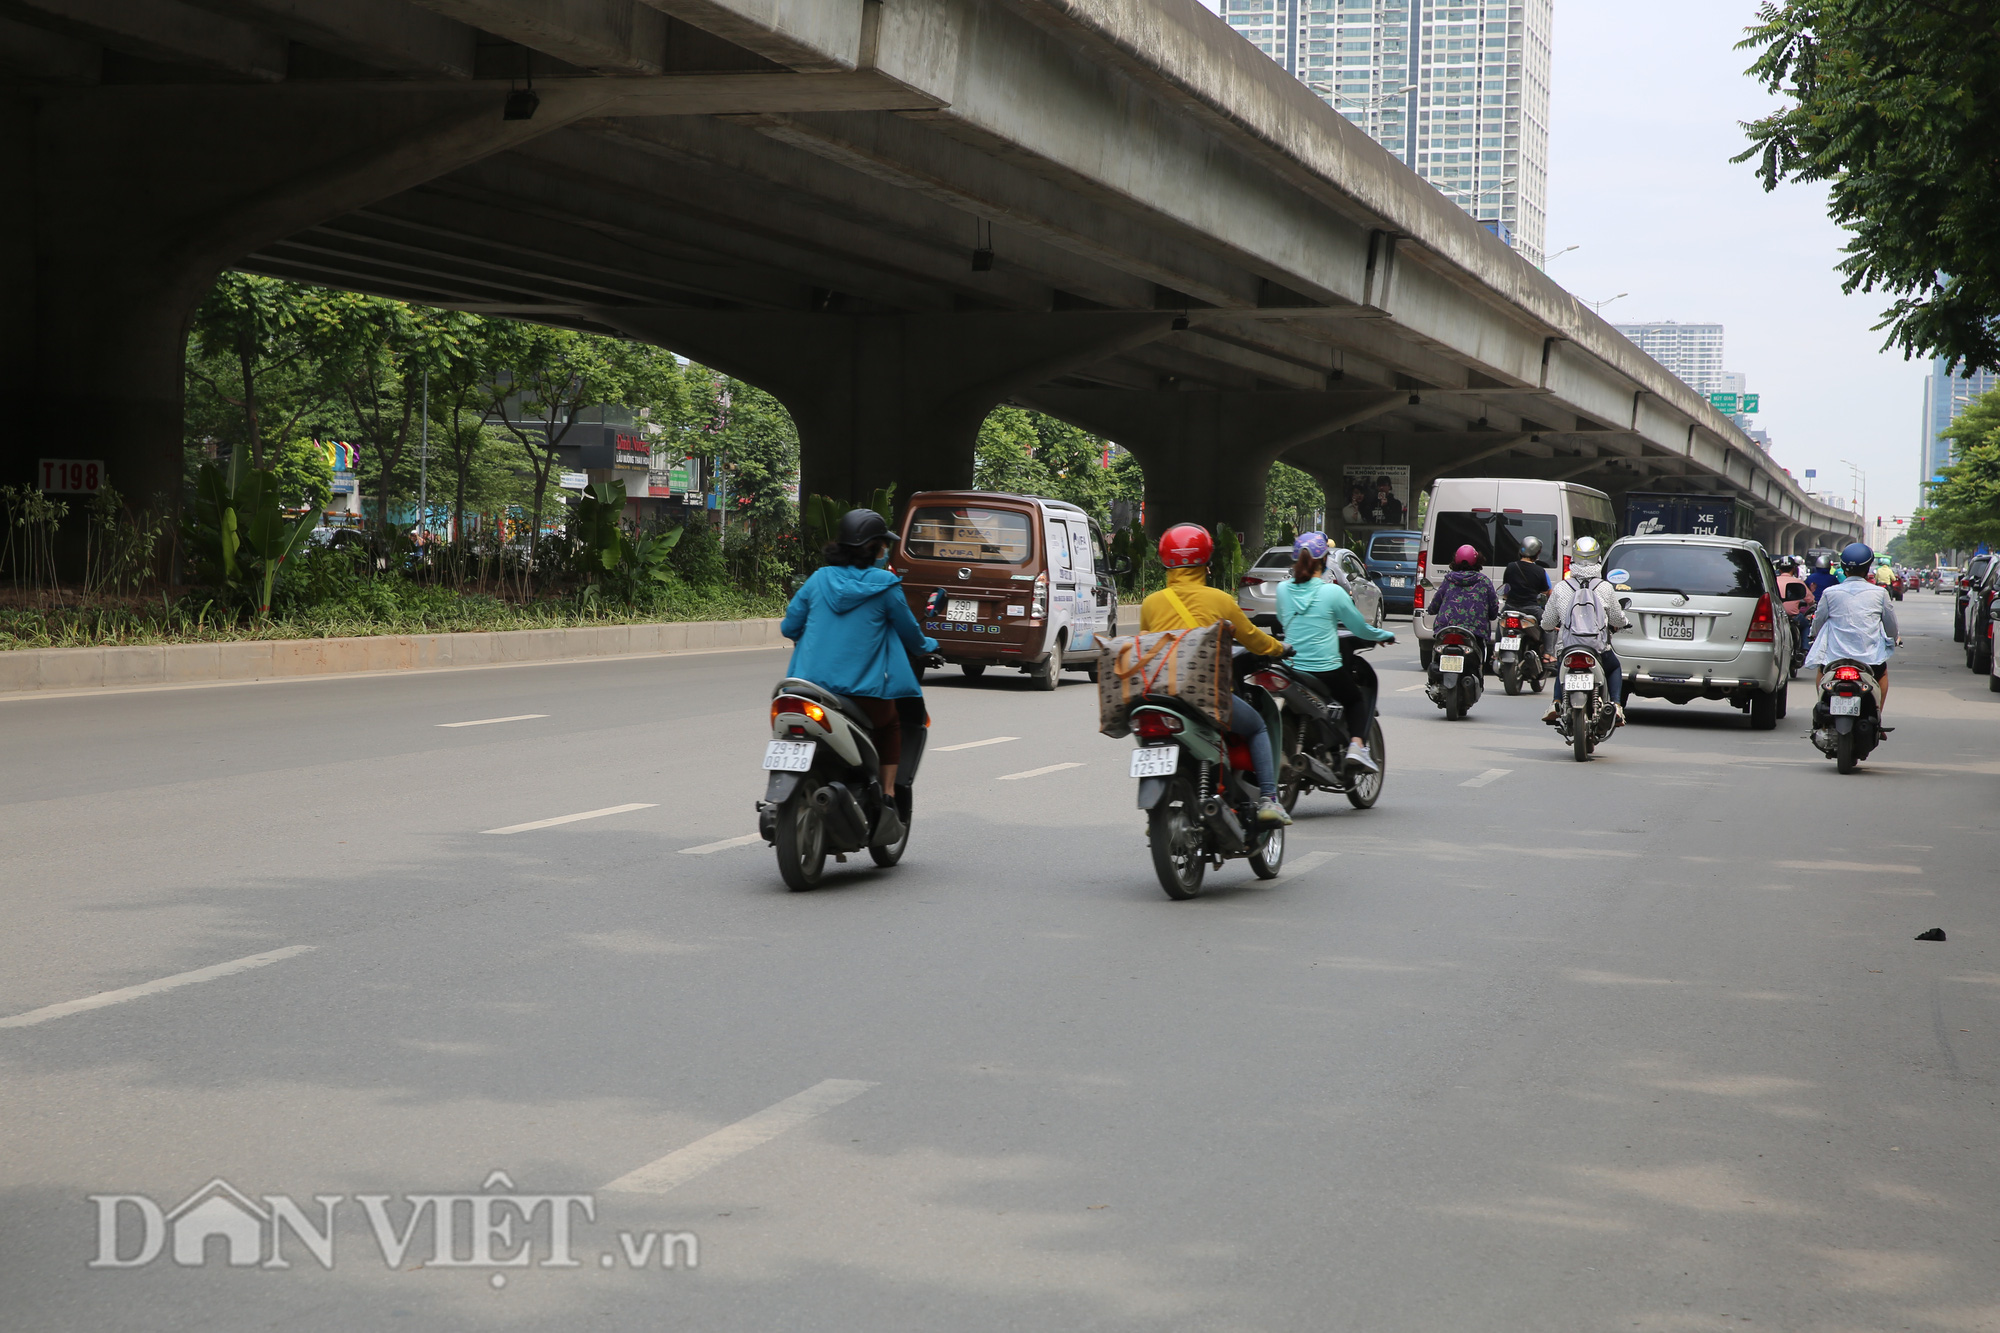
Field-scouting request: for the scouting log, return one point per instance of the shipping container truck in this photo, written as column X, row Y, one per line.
column 1648, row 512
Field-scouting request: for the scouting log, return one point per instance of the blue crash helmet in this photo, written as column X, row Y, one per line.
column 1313, row 544
column 1857, row 557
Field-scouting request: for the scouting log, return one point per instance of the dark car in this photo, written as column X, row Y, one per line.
column 1978, row 619
column 1968, row 581
column 1392, row 567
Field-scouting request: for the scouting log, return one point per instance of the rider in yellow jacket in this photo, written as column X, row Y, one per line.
column 1187, row 601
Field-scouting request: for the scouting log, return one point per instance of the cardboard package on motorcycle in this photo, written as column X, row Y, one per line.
column 1188, row 666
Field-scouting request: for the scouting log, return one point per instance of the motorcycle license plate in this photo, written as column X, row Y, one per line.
column 1511, row 644
column 1579, row 680
column 789, row 756
column 1844, row 705
column 1451, row 666
column 963, row 609
column 1677, row 627
column 1155, row 761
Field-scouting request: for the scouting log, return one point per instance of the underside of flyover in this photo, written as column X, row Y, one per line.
column 893, row 214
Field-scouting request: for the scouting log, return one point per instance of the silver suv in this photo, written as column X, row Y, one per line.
column 1703, row 623
column 1257, row 593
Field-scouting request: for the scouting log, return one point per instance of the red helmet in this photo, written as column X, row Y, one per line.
column 1467, row 556
column 1186, row 544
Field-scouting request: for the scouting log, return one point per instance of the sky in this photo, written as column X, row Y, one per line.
column 1646, row 104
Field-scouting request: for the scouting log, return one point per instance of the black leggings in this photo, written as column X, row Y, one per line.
column 1345, row 690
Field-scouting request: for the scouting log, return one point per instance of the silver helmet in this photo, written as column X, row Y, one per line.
column 1587, row 550
column 1531, row 547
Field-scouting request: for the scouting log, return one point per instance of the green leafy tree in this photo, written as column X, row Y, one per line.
column 1003, row 459
column 1964, row 508
column 1291, row 501
column 1896, row 103
column 251, row 347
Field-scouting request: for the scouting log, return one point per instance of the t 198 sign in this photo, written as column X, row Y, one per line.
column 72, row 476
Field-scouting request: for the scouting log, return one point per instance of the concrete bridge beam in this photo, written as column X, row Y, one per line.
column 1428, row 454
column 1207, row 454
column 881, row 398
column 132, row 199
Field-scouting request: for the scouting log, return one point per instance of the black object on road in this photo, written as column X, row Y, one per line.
column 1934, row 933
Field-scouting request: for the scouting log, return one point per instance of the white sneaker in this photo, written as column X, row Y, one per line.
column 1270, row 812
column 1357, row 754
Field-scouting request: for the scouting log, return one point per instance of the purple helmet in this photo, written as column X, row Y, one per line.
column 1313, row 544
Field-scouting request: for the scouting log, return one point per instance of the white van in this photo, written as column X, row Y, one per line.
column 1494, row 515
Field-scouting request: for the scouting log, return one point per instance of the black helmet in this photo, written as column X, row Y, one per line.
column 860, row 527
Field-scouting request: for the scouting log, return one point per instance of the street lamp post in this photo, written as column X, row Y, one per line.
column 1598, row 306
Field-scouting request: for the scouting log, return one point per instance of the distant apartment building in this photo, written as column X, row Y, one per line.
column 1459, row 92
column 1945, row 396
column 1693, row 352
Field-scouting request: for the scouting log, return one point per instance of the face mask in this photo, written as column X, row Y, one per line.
column 882, row 560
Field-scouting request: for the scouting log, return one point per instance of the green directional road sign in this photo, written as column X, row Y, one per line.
column 1722, row 402
column 1749, row 404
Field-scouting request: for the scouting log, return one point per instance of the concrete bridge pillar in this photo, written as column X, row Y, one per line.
column 890, row 398
column 130, row 199
column 1207, row 454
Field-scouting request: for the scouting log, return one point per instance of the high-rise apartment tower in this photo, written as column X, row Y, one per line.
column 1693, row 352
column 1459, row 92
column 1946, row 396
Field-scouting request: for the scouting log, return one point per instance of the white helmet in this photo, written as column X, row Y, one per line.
column 1587, row 550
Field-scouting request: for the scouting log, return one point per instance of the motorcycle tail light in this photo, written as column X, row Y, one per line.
column 1761, row 624
column 1513, row 622
column 1847, row 673
column 1271, row 681
column 1579, row 662
column 1157, row 726
column 1453, row 639
column 790, row 703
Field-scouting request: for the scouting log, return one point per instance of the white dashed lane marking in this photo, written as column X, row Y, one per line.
column 684, row 1164
column 974, row 745
column 489, row 721
column 722, row 846
column 146, row 988
column 571, row 819
column 1036, row 772
column 1490, row 775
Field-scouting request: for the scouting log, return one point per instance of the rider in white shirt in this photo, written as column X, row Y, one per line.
column 1855, row 621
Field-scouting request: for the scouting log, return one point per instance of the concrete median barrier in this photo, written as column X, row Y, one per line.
column 39, row 670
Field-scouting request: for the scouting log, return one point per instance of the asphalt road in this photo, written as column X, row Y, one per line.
column 1644, row 1043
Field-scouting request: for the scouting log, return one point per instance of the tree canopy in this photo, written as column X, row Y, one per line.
column 1964, row 508
column 1896, row 103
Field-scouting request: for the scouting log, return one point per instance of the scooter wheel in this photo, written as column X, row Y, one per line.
column 801, row 840
column 1175, row 832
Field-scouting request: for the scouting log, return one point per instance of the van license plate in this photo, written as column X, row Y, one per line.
column 964, row 609
column 1677, row 627
column 1452, row 666
column 789, row 756
column 1511, row 644
column 1579, row 680
column 1155, row 761
column 1399, row 583
column 1844, row 705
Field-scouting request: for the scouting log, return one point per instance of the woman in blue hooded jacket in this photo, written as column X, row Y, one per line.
column 855, row 636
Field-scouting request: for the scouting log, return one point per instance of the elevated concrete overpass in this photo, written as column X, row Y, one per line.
column 894, row 214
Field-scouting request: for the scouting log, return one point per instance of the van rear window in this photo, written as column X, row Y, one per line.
column 1497, row 536
column 969, row 533
column 1693, row 571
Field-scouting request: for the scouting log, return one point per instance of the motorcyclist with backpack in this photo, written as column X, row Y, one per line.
column 1583, row 608
column 1187, row 602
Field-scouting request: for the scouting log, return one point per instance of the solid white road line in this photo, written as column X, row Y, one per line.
column 1036, row 772
column 1490, row 775
column 489, row 721
column 722, row 846
column 684, row 1164
column 571, row 819
column 1407, row 688
column 1310, row 861
column 103, row 998
column 974, row 745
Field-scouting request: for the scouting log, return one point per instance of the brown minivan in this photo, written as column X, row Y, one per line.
column 1007, row 580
